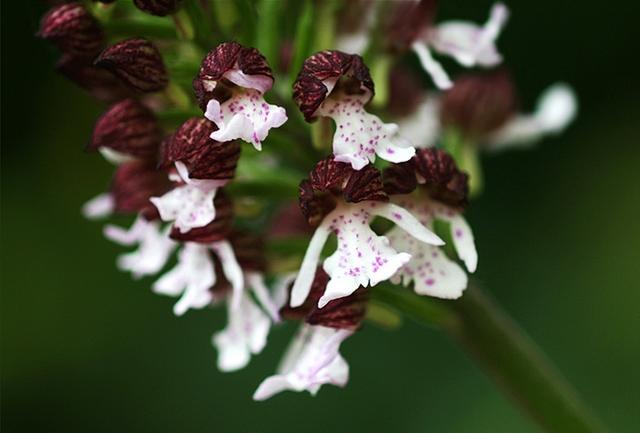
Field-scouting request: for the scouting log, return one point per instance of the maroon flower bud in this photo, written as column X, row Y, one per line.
column 134, row 183
column 404, row 22
column 249, row 250
column 72, row 29
column 160, row 8
column 216, row 230
column 137, row 62
column 406, row 91
column 400, row 178
column 479, row 104
column 204, row 157
column 331, row 180
column 128, row 128
column 97, row 82
column 342, row 313
column 225, row 67
column 330, row 72
column 438, row 173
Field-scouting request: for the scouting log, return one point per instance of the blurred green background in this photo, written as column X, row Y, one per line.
column 85, row 348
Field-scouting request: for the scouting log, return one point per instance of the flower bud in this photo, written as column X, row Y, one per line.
column 342, row 313
column 331, row 180
column 97, row 82
column 72, row 29
column 328, row 72
column 404, row 22
column 128, row 128
column 160, row 8
column 479, row 104
column 134, row 183
column 229, row 65
column 204, row 157
column 216, row 230
column 137, row 62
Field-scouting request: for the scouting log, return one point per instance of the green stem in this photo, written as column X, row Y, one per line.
column 506, row 354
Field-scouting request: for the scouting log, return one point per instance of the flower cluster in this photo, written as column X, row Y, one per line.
column 378, row 205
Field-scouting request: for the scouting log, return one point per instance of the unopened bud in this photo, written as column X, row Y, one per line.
column 72, row 29
column 137, row 62
column 128, row 128
column 204, row 157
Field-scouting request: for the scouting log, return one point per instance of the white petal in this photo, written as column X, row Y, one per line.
column 99, row 207
column 245, row 115
column 189, row 205
column 462, row 236
column 318, row 362
column 431, row 66
column 255, row 280
column 307, row 271
column 422, row 128
column 360, row 136
column 115, row 157
column 126, row 237
column 469, row 43
column 245, row 334
column 281, row 288
column 430, row 269
column 230, row 268
column 556, row 109
column 193, row 276
column 409, row 223
column 153, row 252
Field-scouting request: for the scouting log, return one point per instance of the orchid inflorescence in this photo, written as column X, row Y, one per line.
column 382, row 202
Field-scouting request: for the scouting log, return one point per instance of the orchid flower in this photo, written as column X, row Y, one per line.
column 338, row 85
column 362, row 258
column 230, row 88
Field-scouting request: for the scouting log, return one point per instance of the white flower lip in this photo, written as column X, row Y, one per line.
column 190, row 205
column 430, row 270
column 360, row 136
column 363, row 258
column 312, row 360
column 154, row 246
column 466, row 42
column 246, row 115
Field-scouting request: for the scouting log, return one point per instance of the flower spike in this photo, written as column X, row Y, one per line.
column 338, row 85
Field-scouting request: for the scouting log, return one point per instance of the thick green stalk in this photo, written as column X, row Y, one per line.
column 505, row 352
